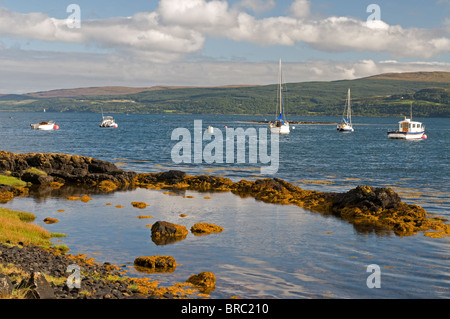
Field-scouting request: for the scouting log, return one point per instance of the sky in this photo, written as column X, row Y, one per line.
column 57, row 44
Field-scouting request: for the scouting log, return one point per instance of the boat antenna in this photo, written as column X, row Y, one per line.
column 411, row 111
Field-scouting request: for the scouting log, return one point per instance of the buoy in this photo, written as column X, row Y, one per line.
column 424, row 136
column 56, row 127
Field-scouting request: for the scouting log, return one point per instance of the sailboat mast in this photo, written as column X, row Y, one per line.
column 349, row 108
column 281, row 102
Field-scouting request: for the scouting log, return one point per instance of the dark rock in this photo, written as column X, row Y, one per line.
column 37, row 179
column 164, row 233
column 205, row 280
column 367, row 198
column 6, row 285
column 39, row 287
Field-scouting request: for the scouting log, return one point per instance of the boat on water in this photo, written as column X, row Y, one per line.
column 45, row 126
column 280, row 125
column 108, row 121
column 346, row 125
column 408, row 130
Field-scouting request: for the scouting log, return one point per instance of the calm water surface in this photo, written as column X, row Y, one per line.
column 265, row 251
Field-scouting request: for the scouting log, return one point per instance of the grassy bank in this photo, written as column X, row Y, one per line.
column 16, row 228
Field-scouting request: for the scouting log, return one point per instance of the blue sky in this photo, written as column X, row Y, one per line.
column 215, row 42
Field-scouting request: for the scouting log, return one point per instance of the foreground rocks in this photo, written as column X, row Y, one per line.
column 64, row 169
column 44, row 274
column 365, row 207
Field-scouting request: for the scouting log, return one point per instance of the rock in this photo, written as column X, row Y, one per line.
column 49, row 220
column 205, row 228
column 157, row 263
column 139, row 204
column 6, row 286
column 205, row 281
column 165, row 233
column 37, row 179
column 367, row 198
column 39, row 287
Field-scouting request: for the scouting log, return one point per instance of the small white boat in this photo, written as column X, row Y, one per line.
column 280, row 126
column 108, row 121
column 346, row 125
column 408, row 130
column 45, row 126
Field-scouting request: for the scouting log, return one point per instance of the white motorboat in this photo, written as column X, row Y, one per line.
column 45, row 126
column 280, row 125
column 346, row 125
column 108, row 121
column 408, row 130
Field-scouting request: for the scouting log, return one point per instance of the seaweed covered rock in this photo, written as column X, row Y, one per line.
column 208, row 183
column 367, row 197
column 167, row 178
column 205, row 281
column 8, row 192
column 164, row 233
column 365, row 205
column 140, row 205
column 63, row 168
column 205, row 228
column 156, row 263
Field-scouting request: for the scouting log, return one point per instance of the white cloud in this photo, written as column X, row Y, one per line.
column 300, row 8
column 179, row 27
column 257, row 6
column 137, row 45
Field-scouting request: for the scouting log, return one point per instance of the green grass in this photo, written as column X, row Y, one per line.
column 34, row 170
column 12, row 181
column 15, row 227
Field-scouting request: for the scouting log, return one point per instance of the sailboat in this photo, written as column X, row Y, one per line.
column 280, row 125
column 346, row 124
column 108, row 121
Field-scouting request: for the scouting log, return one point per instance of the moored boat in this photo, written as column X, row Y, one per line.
column 280, row 125
column 108, row 121
column 408, row 130
column 346, row 125
column 45, row 126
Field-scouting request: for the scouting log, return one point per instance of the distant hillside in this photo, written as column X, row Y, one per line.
column 93, row 91
column 415, row 76
column 105, row 90
column 381, row 95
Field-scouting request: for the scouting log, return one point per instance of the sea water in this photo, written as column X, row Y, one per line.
column 265, row 250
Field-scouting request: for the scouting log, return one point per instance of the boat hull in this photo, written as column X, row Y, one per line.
column 283, row 129
column 345, row 129
column 405, row 135
column 43, row 127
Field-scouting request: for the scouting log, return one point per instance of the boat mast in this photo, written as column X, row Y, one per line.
column 281, row 102
column 349, row 112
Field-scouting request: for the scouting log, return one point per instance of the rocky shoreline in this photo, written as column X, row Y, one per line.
column 367, row 208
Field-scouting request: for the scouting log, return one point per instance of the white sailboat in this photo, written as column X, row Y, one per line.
column 346, row 124
column 280, row 126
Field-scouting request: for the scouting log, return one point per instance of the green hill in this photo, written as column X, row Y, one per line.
column 382, row 95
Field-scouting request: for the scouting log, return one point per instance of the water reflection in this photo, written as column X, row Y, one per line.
column 264, row 251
